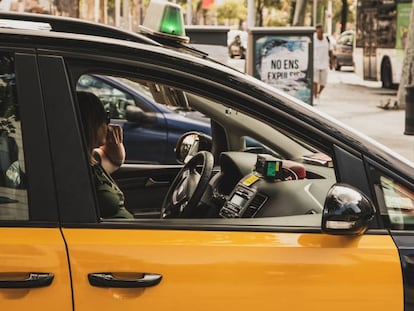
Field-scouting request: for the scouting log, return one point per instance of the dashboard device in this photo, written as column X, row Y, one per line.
column 269, row 167
column 238, row 202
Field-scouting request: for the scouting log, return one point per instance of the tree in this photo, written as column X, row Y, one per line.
column 231, row 10
column 340, row 16
column 196, row 9
column 300, row 12
column 260, row 5
column 408, row 63
column 344, row 15
column 67, row 7
column 280, row 16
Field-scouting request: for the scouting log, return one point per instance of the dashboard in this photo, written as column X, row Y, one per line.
column 241, row 191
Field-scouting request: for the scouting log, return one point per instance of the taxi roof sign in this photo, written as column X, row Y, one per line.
column 165, row 19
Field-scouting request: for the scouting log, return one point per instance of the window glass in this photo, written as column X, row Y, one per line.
column 114, row 100
column 376, row 24
column 399, row 203
column 13, row 185
column 253, row 146
column 297, row 178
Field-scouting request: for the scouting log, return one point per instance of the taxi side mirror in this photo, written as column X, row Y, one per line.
column 346, row 211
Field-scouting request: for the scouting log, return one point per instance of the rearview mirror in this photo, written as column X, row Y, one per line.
column 346, row 211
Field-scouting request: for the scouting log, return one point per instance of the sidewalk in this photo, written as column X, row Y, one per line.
column 355, row 102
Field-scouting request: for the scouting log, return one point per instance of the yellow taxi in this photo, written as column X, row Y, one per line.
column 313, row 217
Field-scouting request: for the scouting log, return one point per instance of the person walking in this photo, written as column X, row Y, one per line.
column 322, row 61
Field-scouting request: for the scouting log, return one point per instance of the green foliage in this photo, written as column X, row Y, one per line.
column 337, row 7
column 272, row 12
column 279, row 12
column 268, row 12
column 231, row 10
column 279, row 18
column 278, row 4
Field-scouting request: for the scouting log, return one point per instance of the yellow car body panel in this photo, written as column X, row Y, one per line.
column 237, row 270
column 40, row 250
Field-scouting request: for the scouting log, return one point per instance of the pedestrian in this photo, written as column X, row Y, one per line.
column 322, row 61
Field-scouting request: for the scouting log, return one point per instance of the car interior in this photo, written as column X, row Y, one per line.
column 220, row 176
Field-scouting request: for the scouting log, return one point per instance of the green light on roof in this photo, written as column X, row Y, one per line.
column 172, row 22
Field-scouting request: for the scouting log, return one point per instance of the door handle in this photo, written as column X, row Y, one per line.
column 107, row 279
column 153, row 183
column 35, row 279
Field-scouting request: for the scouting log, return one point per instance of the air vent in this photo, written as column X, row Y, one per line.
column 258, row 201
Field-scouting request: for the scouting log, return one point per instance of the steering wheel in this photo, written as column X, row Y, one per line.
column 188, row 187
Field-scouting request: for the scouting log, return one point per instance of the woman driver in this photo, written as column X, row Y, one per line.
column 106, row 154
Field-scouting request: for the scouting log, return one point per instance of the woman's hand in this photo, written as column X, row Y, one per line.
column 113, row 152
column 114, row 135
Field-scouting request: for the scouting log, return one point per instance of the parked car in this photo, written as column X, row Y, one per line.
column 343, row 50
column 328, row 222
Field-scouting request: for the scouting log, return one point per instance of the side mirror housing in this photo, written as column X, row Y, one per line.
column 137, row 115
column 346, row 211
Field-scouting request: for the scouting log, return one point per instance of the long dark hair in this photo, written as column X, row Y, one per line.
column 92, row 115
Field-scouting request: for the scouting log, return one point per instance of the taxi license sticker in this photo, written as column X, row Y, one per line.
column 250, row 180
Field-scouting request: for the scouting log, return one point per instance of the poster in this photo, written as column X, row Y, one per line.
column 403, row 22
column 283, row 62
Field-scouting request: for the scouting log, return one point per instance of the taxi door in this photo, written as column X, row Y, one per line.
column 124, row 268
column 34, row 271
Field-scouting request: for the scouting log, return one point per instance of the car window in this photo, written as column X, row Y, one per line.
column 394, row 199
column 397, row 206
column 114, row 99
column 143, row 89
column 13, row 184
column 309, row 172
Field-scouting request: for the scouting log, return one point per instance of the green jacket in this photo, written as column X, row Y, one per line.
column 110, row 197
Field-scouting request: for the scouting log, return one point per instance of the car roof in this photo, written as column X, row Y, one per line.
column 69, row 25
column 74, row 26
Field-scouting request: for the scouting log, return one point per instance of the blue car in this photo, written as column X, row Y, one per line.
column 151, row 129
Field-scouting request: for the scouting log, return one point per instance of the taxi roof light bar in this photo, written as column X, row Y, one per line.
column 165, row 20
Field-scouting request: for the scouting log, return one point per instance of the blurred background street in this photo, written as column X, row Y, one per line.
column 356, row 103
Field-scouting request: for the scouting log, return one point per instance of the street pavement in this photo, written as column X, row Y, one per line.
column 356, row 103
